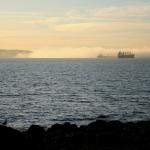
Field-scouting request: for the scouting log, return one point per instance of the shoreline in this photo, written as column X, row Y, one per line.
column 98, row 135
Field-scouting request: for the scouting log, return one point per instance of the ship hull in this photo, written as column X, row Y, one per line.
column 129, row 56
column 126, row 55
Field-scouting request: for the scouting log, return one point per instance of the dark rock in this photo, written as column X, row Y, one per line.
column 12, row 139
column 98, row 135
column 36, row 135
column 36, row 132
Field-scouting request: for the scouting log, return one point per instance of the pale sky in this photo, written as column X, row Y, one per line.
column 75, row 28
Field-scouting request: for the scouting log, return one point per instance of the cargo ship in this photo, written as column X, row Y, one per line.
column 100, row 56
column 126, row 54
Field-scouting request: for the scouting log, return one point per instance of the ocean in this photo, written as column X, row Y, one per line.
column 49, row 91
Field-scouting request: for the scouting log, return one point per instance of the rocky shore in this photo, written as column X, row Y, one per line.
column 98, row 135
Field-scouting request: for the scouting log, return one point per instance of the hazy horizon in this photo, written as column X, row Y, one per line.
column 74, row 29
column 5, row 53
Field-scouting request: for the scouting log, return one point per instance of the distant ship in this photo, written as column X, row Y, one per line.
column 126, row 54
column 100, row 56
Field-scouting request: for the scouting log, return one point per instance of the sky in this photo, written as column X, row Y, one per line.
column 74, row 28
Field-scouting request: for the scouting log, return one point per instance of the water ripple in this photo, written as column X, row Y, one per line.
column 48, row 91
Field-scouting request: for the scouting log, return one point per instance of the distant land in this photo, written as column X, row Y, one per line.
column 8, row 53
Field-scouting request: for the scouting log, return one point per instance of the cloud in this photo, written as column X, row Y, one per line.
column 75, row 27
column 122, row 12
column 46, row 20
column 21, row 14
column 14, row 53
column 76, row 32
column 110, row 13
column 113, row 13
column 126, row 13
column 102, row 26
column 117, row 18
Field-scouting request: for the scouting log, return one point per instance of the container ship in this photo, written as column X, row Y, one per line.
column 126, row 54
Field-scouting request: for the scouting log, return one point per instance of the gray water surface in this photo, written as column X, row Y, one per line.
column 48, row 91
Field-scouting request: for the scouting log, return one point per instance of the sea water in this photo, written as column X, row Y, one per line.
column 49, row 91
